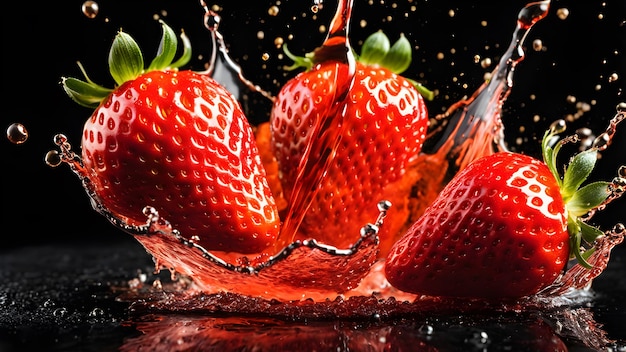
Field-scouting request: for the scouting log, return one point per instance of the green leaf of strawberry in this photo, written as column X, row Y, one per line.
column 504, row 227
column 178, row 141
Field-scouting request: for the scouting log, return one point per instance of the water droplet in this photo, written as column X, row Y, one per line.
column 317, row 5
column 96, row 313
column 53, row 158
column 60, row 312
column 17, row 133
column 479, row 339
column 384, row 205
column 602, row 142
column 273, row 10
column 558, row 126
column 562, row 13
column 426, row 329
column 90, row 9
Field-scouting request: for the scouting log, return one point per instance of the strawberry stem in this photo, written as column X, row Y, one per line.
column 377, row 51
column 126, row 63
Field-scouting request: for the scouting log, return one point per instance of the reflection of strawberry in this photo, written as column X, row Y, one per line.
column 177, row 141
column 383, row 128
column 503, row 227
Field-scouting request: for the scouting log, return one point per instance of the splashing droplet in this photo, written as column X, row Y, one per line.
column 273, row 10
column 17, row 133
column 53, row 158
column 90, row 9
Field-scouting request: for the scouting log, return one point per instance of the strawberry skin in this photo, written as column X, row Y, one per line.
column 179, row 142
column 497, row 230
column 384, row 126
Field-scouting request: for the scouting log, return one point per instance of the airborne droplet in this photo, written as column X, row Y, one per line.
column 53, row 158
column 90, row 9
column 17, row 133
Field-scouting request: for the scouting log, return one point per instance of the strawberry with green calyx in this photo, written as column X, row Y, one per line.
column 383, row 126
column 504, row 227
column 376, row 51
column 578, row 201
column 178, row 141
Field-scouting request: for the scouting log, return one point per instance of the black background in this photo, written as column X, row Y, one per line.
column 43, row 40
column 45, row 211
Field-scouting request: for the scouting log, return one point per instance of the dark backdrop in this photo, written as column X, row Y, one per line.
column 43, row 40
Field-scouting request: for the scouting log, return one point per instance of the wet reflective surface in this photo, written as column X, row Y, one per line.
column 67, row 298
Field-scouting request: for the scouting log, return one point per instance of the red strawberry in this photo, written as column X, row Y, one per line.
column 383, row 126
column 177, row 141
column 505, row 226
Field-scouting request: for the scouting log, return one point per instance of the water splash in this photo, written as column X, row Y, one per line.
column 221, row 66
column 473, row 126
column 307, row 269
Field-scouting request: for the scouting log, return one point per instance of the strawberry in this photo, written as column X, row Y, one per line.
column 504, row 227
column 383, row 125
column 178, row 141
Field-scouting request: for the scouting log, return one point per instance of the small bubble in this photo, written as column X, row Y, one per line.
column 486, row 62
column 613, row 77
column 426, row 329
column 317, row 5
column 90, row 9
column 96, row 313
column 279, row 41
column 558, row 126
column 17, row 133
column 571, row 99
column 602, row 142
column 60, row 312
column 265, row 56
column 562, row 13
column 537, row 45
column 53, row 158
column 273, row 10
column 260, row 35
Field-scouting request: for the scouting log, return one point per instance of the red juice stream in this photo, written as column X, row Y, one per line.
column 328, row 130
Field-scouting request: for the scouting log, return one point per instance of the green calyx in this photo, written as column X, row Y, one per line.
column 376, row 50
column 125, row 64
column 578, row 200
